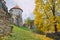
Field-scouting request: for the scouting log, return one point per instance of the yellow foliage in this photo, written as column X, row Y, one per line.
column 58, row 27
column 57, row 18
column 52, row 19
column 40, row 20
column 44, row 18
column 51, row 1
column 47, row 6
column 38, row 1
column 52, row 28
column 58, row 1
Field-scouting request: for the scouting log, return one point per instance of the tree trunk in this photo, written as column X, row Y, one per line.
column 56, row 28
column 55, row 25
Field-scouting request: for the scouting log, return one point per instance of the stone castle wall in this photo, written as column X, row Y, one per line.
column 5, row 27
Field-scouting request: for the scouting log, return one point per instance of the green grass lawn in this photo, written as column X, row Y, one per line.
column 22, row 34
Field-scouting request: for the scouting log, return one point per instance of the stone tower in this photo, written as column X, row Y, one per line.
column 16, row 13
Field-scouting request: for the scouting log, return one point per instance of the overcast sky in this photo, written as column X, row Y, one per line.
column 26, row 5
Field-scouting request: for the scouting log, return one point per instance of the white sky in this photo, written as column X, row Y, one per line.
column 26, row 5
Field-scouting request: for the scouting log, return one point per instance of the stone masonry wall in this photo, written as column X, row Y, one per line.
column 5, row 27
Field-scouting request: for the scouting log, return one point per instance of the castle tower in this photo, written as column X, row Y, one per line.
column 16, row 13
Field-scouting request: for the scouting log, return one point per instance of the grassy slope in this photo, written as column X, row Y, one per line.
column 22, row 34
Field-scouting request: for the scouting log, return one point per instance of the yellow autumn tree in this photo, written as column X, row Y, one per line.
column 47, row 15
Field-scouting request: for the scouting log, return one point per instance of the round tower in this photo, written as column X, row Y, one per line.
column 16, row 13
